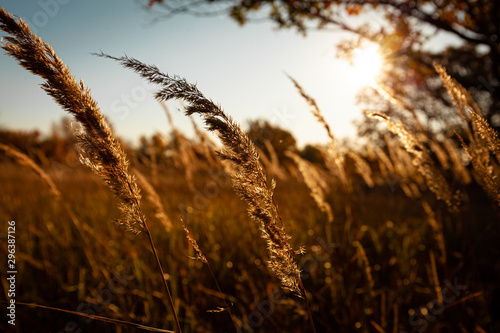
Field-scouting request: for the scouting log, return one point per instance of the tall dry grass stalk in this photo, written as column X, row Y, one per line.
column 393, row 97
column 314, row 182
column 154, row 199
column 487, row 173
column 368, row 268
column 90, row 316
column 459, row 96
column 403, row 167
column 201, row 257
column 440, row 154
column 400, row 159
column 249, row 182
column 483, row 140
column 362, row 167
column 437, row 231
column 101, row 151
column 434, row 179
column 459, row 170
column 23, row 159
column 435, row 278
column 334, row 158
column 487, row 134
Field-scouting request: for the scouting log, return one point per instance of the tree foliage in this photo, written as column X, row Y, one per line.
column 260, row 131
column 404, row 29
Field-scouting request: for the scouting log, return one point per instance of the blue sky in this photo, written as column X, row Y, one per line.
column 241, row 68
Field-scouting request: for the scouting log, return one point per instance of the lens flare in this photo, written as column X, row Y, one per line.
column 366, row 64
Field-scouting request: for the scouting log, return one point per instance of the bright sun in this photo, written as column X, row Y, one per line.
column 366, row 64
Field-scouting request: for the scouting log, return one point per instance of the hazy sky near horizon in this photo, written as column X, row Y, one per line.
column 241, row 68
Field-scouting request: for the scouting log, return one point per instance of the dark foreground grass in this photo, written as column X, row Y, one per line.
column 99, row 269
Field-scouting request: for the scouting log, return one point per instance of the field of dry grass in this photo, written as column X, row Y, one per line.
column 401, row 236
column 98, row 269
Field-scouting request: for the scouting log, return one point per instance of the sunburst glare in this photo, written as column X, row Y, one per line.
column 365, row 65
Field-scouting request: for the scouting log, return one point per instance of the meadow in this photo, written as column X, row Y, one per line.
column 399, row 235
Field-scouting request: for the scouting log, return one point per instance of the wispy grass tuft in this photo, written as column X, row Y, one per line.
column 314, row 182
column 334, row 158
column 155, row 200
column 249, row 182
column 483, row 139
column 421, row 159
column 101, row 150
column 23, row 159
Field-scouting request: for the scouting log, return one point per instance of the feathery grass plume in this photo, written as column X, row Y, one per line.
column 404, row 168
column 362, row 167
column 334, row 158
column 314, row 108
column 438, row 231
column 487, row 134
column 366, row 263
column 407, row 164
column 459, row 170
column 314, row 183
column 23, row 159
column 199, row 255
column 250, row 182
column 460, row 97
column 154, row 198
column 481, row 163
column 482, row 137
column 102, row 151
column 434, row 180
column 389, row 94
